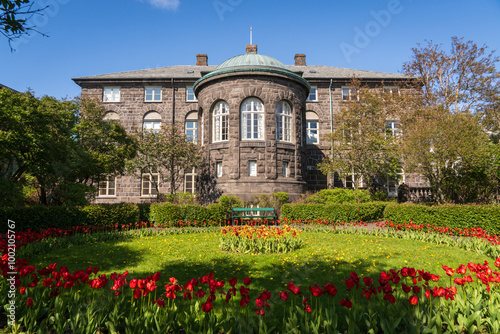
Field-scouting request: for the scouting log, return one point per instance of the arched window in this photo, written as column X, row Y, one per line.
column 220, row 121
column 151, row 122
column 191, row 125
column 111, row 116
column 252, row 119
column 312, row 123
column 283, row 121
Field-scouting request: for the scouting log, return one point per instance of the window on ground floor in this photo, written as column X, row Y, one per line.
column 107, row 187
column 190, row 181
column 149, row 184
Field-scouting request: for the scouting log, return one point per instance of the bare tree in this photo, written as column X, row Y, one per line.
column 166, row 153
column 461, row 80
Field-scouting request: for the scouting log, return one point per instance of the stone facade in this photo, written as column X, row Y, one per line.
column 190, row 93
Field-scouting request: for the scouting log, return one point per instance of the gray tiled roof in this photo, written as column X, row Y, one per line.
column 195, row 72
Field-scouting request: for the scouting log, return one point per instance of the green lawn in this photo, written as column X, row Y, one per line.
column 324, row 258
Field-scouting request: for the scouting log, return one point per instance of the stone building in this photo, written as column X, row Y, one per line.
column 261, row 122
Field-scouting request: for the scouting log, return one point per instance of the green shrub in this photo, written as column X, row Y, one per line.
column 43, row 217
column 339, row 195
column 229, row 201
column 181, row 199
column 144, row 209
column 216, row 212
column 334, row 212
column 111, row 214
column 162, row 213
column 454, row 216
column 194, row 213
column 11, row 193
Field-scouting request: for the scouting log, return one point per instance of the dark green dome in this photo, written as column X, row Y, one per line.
column 252, row 63
column 250, row 60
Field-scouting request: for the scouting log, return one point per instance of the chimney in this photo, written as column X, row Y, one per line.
column 201, row 59
column 300, row 59
column 252, row 48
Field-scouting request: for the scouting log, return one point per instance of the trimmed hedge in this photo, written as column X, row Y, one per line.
column 43, row 217
column 334, row 212
column 454, row 216
column 171, row 213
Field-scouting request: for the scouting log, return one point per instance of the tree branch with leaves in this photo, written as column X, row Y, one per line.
column 361, row 144
column 15, row 18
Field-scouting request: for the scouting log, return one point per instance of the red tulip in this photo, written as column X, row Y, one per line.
column 206, row 307
column 29, row 302
column 413, row 300
column 346, row 302
column 283, row 295
column 247, row 281
column 233, row 281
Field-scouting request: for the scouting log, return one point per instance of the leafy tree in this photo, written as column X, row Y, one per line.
column 444, row 135
column 59, row 143
column 35, row 137
column 451, row 151
column 360, row 142
column 103, row 145
column 166, row 152
column 14, row 18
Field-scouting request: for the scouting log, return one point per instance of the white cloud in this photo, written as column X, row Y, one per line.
column 164, row 4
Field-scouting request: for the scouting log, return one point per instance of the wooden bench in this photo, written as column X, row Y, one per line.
column 263, row 213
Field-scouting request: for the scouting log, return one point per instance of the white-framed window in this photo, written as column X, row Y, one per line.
column 313, row 94
column 219, row 168
column 349, row 94
column 252, row 168
column 312, row 128
column 152, row 94
column 190, row 97
column 191, row 127
column 285, row 169
column 151, row 122
column 284, row 121
column 190, row 181
column 221, row 121
column 392, row 129
column 111, row 94
column 252, row 119
column 107, row 187
column 149, row 183
column 393, row 90
column 312, row 132
column 350, row 181
column 192, row 131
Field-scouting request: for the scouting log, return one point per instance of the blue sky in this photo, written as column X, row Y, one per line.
column 89, row 37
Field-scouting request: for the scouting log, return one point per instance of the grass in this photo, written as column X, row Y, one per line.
column 324, row 258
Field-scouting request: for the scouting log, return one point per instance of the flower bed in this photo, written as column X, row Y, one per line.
column 260, row 239
column 52, row 299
